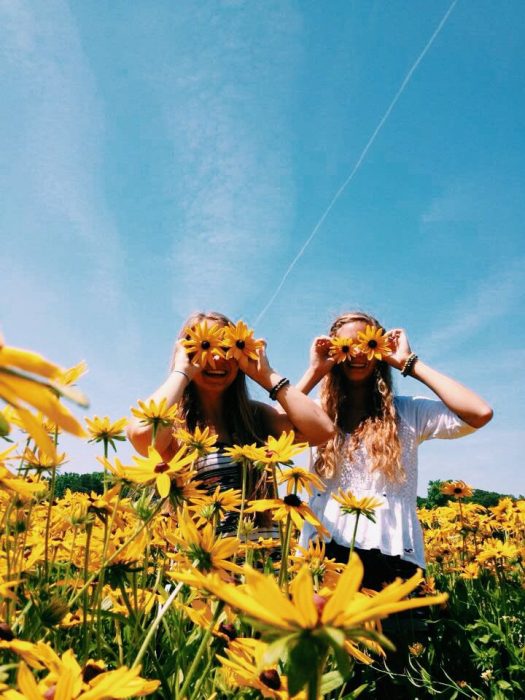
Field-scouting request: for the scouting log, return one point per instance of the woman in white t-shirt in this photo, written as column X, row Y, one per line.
column 374, row 451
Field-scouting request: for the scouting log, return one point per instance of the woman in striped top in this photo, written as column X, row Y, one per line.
column 218, row 398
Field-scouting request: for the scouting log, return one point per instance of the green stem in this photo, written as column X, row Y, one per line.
column 202, row 647
column 283, row 573
column 116, row 553
column 314, row 684
column 153, row 627
column 352, row 544
column 243, row 496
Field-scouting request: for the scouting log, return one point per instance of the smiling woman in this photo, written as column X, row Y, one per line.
column 211, row 360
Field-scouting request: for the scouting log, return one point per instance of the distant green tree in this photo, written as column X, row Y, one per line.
column 435, row 498
column 84, row 483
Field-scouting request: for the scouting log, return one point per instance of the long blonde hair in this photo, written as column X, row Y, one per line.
column 242, row 421
column 377, row 432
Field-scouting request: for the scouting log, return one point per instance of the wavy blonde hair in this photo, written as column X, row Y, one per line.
column 377, row 432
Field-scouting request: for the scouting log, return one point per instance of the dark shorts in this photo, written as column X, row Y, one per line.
column 379, row 568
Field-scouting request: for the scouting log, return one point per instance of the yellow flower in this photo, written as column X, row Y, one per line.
column 290, row 505
column 103, row 430
column 41, row 460
column 217, row 504
column 373, row 343
column 280, row 450
column 341, row 349
column 243, row 667
column 493, row 548
column 23, row 487
column 243, row 453
column 297, row 478
column 324, row 571
column 153, row 469
column 457, row 489
column 357, row 506
column 202, row 549
column 20, row 390
column 203, row 343
column 318, row 623
column 239, row 341
column 71, row 375
column 200, row 440
column 157, row 414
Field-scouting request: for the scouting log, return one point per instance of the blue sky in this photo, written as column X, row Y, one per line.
column 163, row 157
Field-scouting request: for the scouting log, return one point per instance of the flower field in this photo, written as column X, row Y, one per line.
column 142, row 590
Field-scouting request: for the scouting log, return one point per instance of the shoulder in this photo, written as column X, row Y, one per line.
column 273, row 421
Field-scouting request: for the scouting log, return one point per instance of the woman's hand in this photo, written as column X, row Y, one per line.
column 320, row 360
column 400, row 348
column 259, row 370
column 182, row 361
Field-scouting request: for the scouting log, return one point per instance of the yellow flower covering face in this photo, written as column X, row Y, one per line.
column 204, row 343
column 239, row 341
column 373, row 343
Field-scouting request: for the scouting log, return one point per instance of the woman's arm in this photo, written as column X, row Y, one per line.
column 297, row 412
column 320, row 364
column 172, row 389
column 464, row 402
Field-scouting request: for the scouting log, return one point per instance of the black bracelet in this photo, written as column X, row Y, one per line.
column 407, row 367
column 280, row 384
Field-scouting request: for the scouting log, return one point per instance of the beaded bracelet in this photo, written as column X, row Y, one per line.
column 280, row 384
column 407, row 367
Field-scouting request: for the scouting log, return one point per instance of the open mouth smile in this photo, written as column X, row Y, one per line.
column 215, row 372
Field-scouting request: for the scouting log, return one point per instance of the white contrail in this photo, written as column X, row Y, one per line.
column 359, row 161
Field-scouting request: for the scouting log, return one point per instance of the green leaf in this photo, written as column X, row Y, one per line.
column 302, row 664
column 331, row 681
column 279, row 649
column 356, row 693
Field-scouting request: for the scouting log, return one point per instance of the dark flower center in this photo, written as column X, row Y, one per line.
column 458, row 489
column 372, row 343
column 205, row 344
column 345, row 348
column 228, row 629
column 6, row 633
column 240, row 344
column 91, row 671
column 161, row 468
column 292, row 500
column 271, row 679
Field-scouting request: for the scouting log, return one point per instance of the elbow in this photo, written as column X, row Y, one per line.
column 323, row 434
column 138, row 439
column 482, row 418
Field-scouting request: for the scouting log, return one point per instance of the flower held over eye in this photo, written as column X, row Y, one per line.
column 373, row 343
column 204, row 343
column 239, row 341
column 342, row 349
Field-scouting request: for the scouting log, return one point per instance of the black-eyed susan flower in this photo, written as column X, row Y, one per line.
column 303, row 623
column 41, row 461
column 341, row 349
column 28, row 380
column 25, row 488
column 238, row 341
column 242, row 666
column 203, row 441
column 106, row 431
column 297, row 478
column 153, row 469
column 215, row 505
column 203, row 343
column 289, row 506
column 456, row 489
column 202, row 548
column 280, row 450
column 373, row 343
column 157, row 414
column 324, row 571
column 357, row 506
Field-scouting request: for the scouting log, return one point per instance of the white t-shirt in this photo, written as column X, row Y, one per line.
column 397, row 530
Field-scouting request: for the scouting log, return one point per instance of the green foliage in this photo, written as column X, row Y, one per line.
column 85, row 483
column 436, row 499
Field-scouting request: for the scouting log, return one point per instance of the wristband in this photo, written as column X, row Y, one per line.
column 280, row 384
column 179, row 371
column 407, row 367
